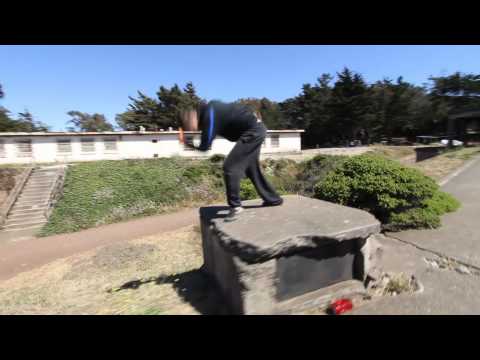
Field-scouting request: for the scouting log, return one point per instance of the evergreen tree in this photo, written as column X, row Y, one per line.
column 350, row 106
column 268, row 110
column 455, row 93
column 85, row 122
column 26, row 123
column 143, row 111
column 160, row 113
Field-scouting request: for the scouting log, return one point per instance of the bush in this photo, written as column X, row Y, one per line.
column 282, row 175
column 313, row 171
column 217, row 158
column 247, row 190
column 398, row 196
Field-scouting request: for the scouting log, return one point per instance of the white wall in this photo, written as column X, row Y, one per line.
column 129, row 146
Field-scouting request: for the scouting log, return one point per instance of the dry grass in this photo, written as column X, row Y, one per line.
column 442, row 165
column 437, row 167
column 394, row 152
column 153, row 275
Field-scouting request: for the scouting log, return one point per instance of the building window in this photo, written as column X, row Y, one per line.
column 88, row 145
column 2, row 149
column 24, row 148
column 275, row 141
column 64, row 146
column 110, row 145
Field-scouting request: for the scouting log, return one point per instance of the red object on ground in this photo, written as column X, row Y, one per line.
column 340, row 306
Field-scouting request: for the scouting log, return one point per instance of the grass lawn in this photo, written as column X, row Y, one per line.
column 153, row 276
column 104, row 192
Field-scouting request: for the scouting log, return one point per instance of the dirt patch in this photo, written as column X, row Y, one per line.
column 158, row 274
column 8, row 179
column 393, row 284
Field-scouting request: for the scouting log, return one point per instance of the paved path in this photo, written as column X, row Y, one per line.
column 459, row 235
column 446, row 291
column 28, row 253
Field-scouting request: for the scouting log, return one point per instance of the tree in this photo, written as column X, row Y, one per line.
column 396, row 106
column 350, row 105
column 455, row 93
column 28, row 124
column 6, row 123
column 307, row 111
column 86, row 122
column 160, row 113
column 142, row 111
column 269, row 111
column 24, row 123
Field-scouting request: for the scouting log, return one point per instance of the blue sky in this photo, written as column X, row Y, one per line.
column 49, row 81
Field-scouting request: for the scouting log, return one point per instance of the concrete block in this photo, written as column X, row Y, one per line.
column 270, row 256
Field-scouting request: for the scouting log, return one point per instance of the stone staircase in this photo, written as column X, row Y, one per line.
column 30, row 208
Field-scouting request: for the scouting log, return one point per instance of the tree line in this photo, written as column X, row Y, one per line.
column 330, row 111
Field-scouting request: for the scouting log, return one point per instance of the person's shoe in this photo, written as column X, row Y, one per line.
column 276, row 203
column 233, row 213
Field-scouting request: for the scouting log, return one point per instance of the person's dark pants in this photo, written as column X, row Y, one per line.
column 244, row 160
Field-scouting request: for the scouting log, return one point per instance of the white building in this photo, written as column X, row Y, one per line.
column 54, row 147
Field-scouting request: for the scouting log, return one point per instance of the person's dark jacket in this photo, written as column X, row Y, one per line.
column 227, row 120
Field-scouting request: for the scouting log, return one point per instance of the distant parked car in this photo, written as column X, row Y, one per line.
column 454, row 142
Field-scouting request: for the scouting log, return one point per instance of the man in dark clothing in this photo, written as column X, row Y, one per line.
column 237, row 123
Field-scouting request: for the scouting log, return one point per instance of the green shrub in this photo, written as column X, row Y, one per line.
column 283, row 175
column 216, row 158
column 247, row 190
column 313, row 171
column 398, row 196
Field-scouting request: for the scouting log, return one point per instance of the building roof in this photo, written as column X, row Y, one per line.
column 105, row 133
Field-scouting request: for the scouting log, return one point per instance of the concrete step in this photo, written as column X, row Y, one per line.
column 21, row 226
column 33, row 198
column 50, row 173
column 22, row 216
column 25, row 213
column 38, row 226
column 27, row 221
column 35, row 192
column 38, row 186
column 28, row 211
column 41, row 177
column 45, row 192
column 34, row 206
column 39, row 180
column 43, row 173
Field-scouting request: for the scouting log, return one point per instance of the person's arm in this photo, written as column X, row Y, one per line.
column 208, row 128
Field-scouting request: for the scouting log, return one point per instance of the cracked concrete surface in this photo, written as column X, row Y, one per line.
column 446, row 261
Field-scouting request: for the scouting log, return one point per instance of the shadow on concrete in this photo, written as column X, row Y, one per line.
column 194, row 287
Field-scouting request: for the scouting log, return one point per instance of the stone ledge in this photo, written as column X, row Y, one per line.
column 288, row 258
column 262, row 233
